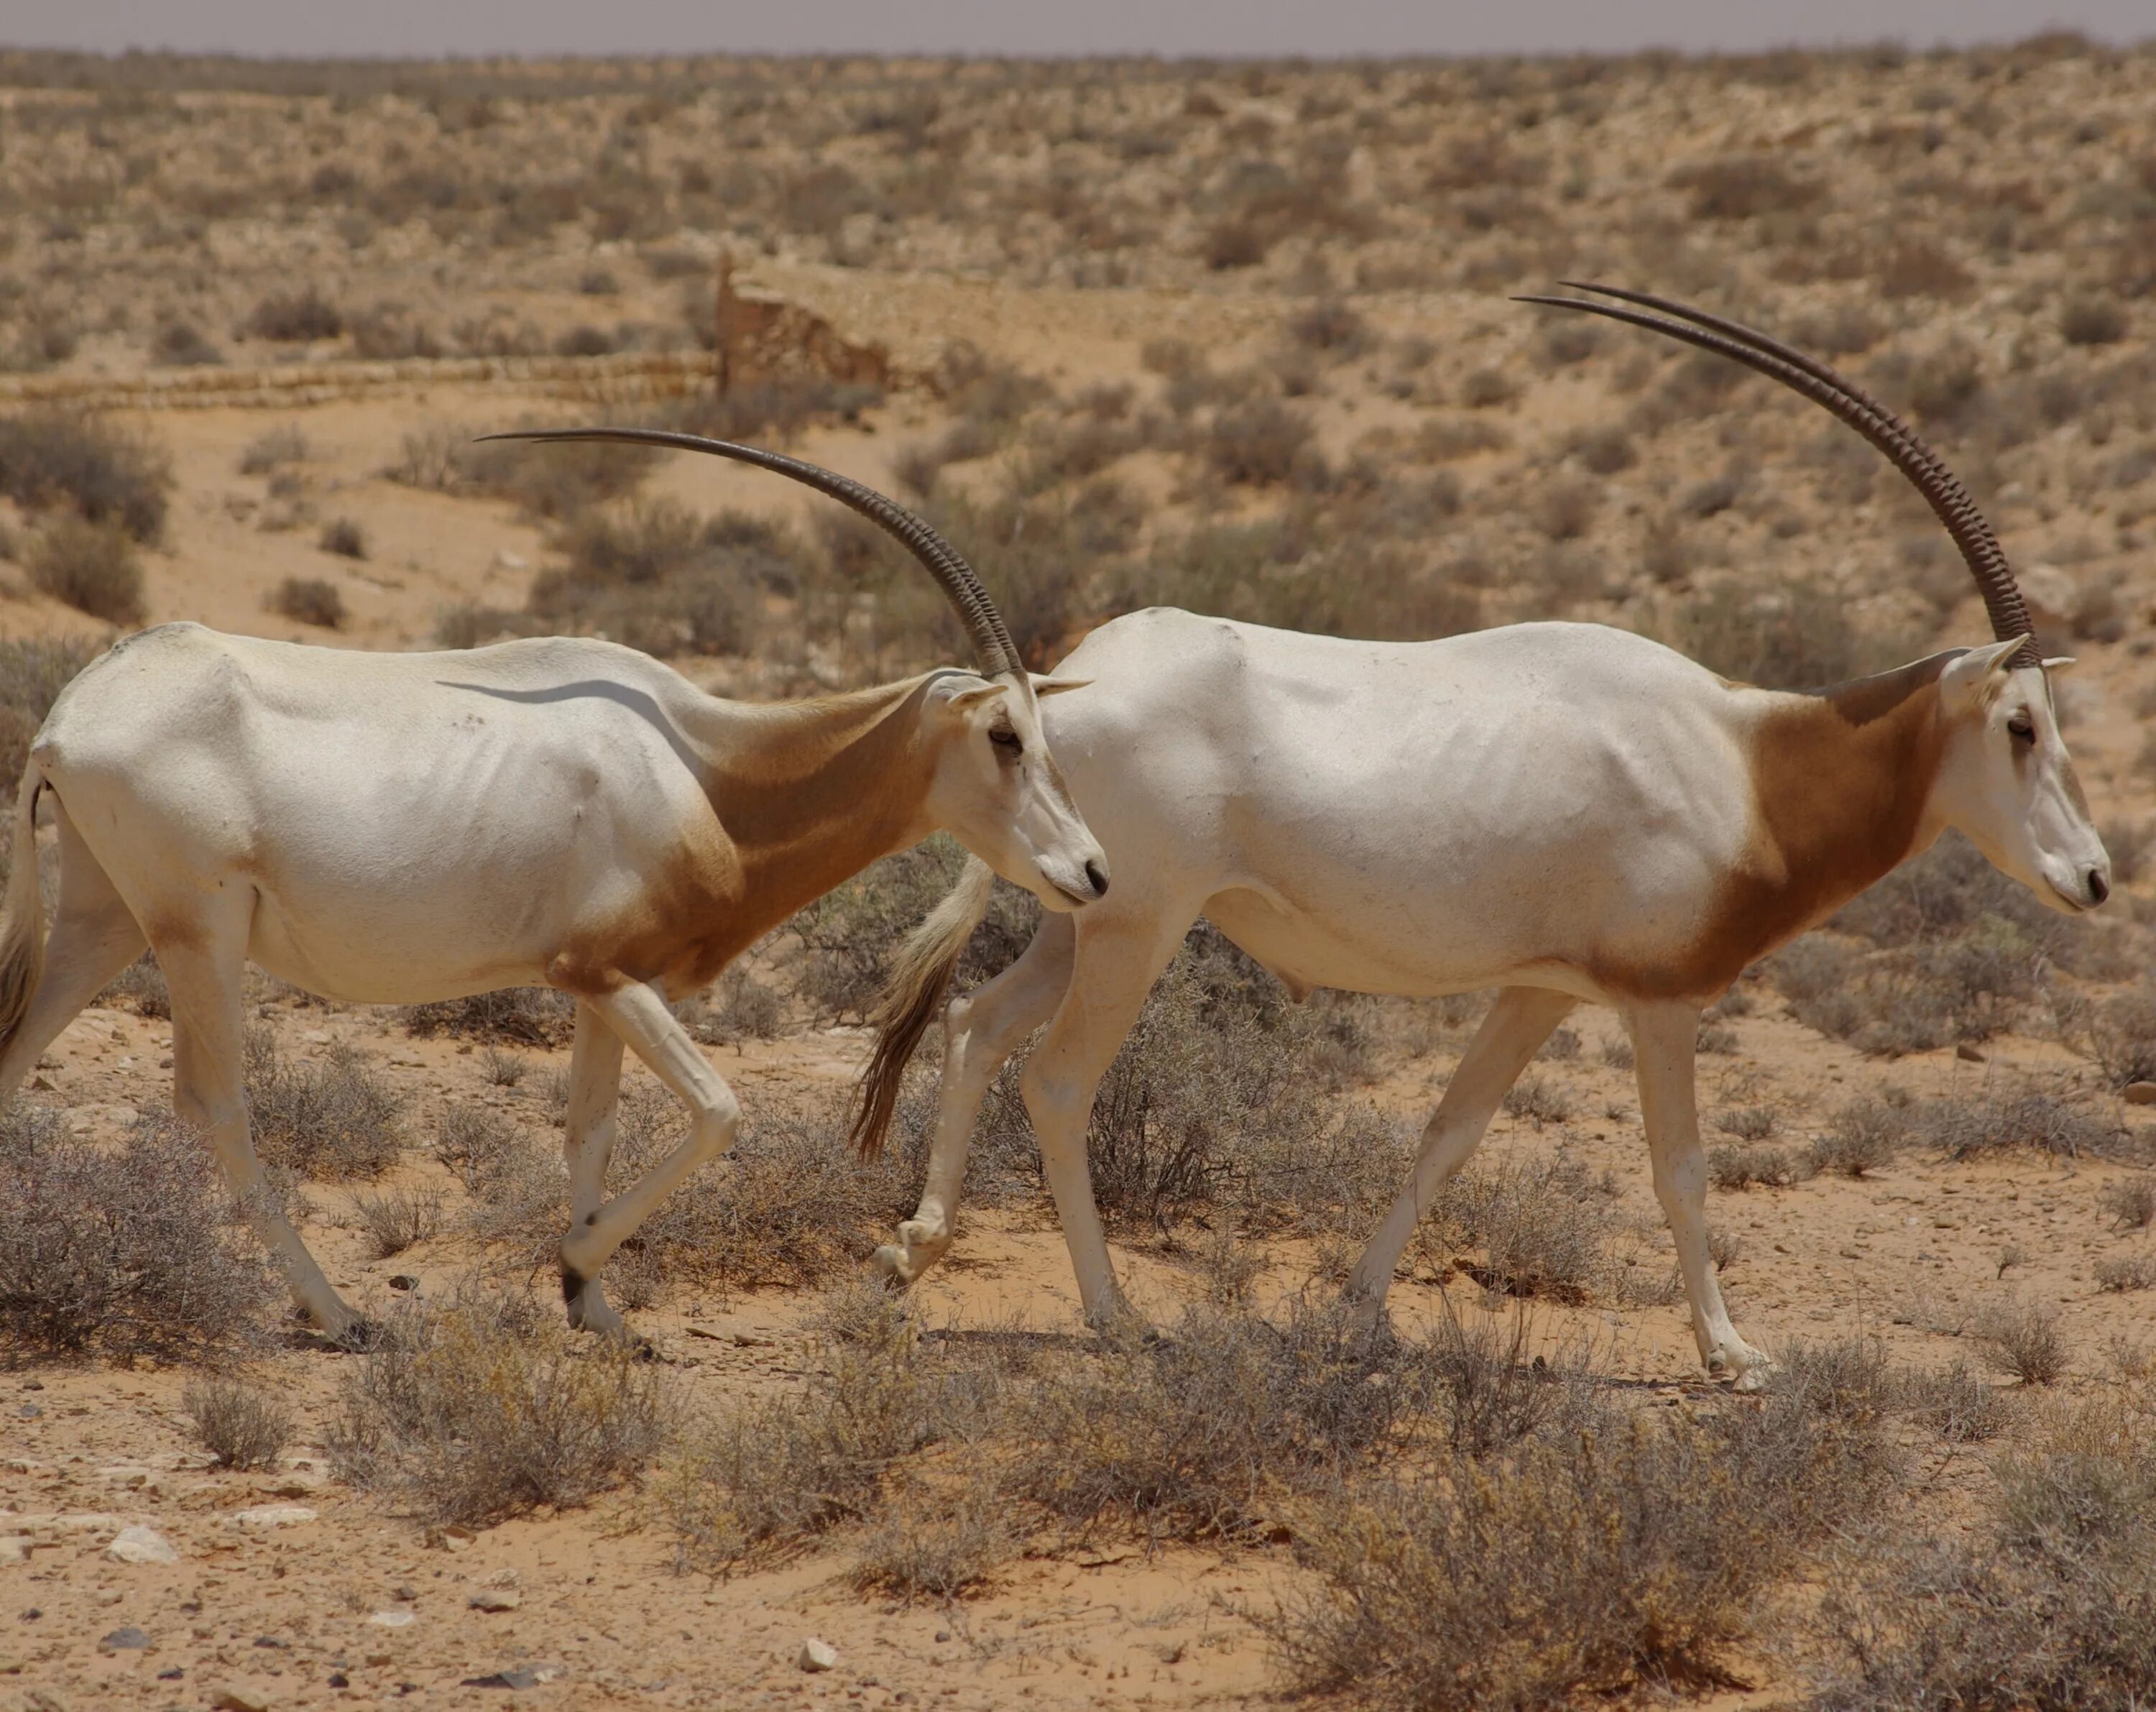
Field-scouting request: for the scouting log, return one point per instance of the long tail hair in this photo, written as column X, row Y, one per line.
column 23, row 917
column 913, row 996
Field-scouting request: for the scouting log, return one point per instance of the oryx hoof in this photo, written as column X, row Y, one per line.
column 356, row 1336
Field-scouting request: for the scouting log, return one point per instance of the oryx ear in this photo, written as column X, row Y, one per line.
column 1057, row 686
column 1971, row 675
column 2061, row 664
column 977, row 698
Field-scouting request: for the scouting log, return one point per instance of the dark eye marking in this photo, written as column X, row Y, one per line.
column 2021, row 729
column 1004, row 738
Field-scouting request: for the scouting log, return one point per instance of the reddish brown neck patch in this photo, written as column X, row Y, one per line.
column 1840, row 781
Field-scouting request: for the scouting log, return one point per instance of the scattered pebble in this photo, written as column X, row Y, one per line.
column 230, row 1699
column 522, row 1676
column 2141, row 1093
column 392, row 1619
column 274, row 1515
column 14, row 1547
column 126, row 1640
column 141, row 1544
column 495, row 1599
column 817, row 1654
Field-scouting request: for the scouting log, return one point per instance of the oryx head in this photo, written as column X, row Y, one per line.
column 2004, row 778
column 995, row 786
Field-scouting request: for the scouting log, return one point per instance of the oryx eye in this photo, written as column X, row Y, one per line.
column 1004, row 738
column 2021, row 729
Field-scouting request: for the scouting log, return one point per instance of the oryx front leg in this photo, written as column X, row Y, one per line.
column 1664, row 1037
column 980, row 1032
column 1518, row 1025
column 587, row 1145
column 640, row 1017
column 1116, row 963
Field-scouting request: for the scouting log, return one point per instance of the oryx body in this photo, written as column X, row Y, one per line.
column 1562, row 811
column 406, row 828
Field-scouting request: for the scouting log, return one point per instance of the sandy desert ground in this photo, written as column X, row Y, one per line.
column 1230, row 336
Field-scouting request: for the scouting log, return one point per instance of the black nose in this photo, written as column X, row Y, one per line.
column 2099, row 889
column 1100, row 881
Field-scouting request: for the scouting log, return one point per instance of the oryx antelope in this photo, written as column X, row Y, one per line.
column 1563, row 811
column 394, row 828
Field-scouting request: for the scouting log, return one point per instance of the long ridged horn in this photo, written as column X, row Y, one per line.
column 1904, row 447
column 992, row 640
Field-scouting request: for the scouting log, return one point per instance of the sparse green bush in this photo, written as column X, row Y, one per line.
column 129, row 1252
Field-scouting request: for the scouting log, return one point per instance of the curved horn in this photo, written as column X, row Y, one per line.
column 992, row 640
column 1943, row 490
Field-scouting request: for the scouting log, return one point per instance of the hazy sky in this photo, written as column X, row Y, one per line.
column 1224, row 27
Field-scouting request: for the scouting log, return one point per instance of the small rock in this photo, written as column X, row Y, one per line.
column 172, row 1674
column 338, row 1680
column 126, row 1640
column 522, row 1676
column 1967, row 1053
column 495, row 1599
column 392, row 1619
column 139, row 1543
column 274, row 1515
column 818, row 1655
column 403, row 1282
column 231, row 1700
column 14, row 1547
column 30, row 1412
column 505, row 560
column 2141, row 1093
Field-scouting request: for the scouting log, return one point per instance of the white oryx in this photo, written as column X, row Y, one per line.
column 1563, row 811
column 396, row 828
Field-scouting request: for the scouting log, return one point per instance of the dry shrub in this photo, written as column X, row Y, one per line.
column 1954, row 1402
column 1260, row 443
column 555, row 482
column 1593, row 1560
column 308, row 600
column 1331, row 327
column 2050, row 1123
column 1797, row 634
column 2132, row 1201
column 179, row 344
column 344, row 537
column 478, row 1408
column 129, row 1251
column 92, row 567
column 656, row 577
column 924, row 1548
column 243, row 1427
column 1564, row 509
column 2122, row 1036
column 533, row 1016
column 473, row 1141
column 766, row 1477
column 33, row 673
column 141, row 986
column 1537, row 1100
column 273, row 448
column 850, row 934
column 2092, row 321
column 1864, row 1136
column 1744, row 188
column 792, row 1208
column 1769, row 1167
column 1542, row 1227
column 1208, row 1433
column 1225, row 1096
column 2023, row 1338
column 2127, row 1272
column 291, row 317
column 334, row 1118
column 2052, row 1605
column 399, row 1218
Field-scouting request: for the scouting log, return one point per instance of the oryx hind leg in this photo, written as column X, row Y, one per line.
column 93, row 937
column 1663, row 1040
column 1116, row 959
column 1518, row 1023
column 981, row 1030
column 588, row 1138
column 639, row 1015
column 201, row 947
